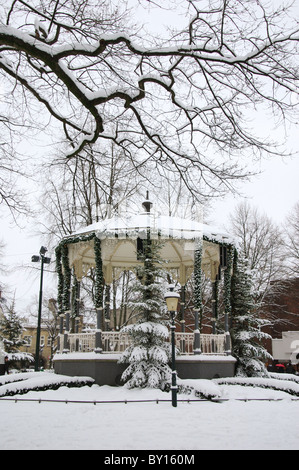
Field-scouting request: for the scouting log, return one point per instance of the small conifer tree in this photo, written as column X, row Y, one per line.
column 150, row 352
column 246, row 331
column 11, row 329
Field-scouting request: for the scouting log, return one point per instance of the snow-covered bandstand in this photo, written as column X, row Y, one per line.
column 111, row 246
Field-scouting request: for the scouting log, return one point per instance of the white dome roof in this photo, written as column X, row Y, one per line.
column 165, row 226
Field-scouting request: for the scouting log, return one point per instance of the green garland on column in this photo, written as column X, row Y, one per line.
column 228, row 279
column 62, row 261
column 99, row 281
column 67, row 278
column 60, row 280
column 198, row 280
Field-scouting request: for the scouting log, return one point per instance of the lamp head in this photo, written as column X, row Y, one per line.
column 43, row 250
column 172, row 300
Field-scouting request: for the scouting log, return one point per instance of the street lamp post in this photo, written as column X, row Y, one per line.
column 172, row 299
column 44, row 260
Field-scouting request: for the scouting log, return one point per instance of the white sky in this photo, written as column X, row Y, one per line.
column 274, row 192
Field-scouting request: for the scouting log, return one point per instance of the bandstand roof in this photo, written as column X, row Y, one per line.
column 119, row 244
column 159, row 225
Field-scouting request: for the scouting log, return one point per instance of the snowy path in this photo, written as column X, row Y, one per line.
column 197, row 425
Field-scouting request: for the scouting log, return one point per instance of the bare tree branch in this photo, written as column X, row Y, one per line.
column 184, row 103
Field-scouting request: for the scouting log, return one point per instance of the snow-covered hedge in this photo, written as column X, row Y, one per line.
column 283, row 382
column 291, row 377
column 199, row 388
column 19, row 384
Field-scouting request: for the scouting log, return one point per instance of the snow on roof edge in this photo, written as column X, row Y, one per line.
column 167, row 226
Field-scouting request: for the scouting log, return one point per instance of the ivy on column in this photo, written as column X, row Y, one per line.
column 67, row 278
column 197, row 296
column 228, row 279
column 60, row 279
column 198, row 279
column 99, row 278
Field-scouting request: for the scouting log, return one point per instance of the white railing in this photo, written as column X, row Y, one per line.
column 184, row 342
column 213, row 344
column 83, row 342
column 116, row 342
column 209, row 343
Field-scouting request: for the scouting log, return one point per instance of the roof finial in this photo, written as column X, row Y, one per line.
column 147, row 204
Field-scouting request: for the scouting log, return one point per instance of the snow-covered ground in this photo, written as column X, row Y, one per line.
column 270, row 423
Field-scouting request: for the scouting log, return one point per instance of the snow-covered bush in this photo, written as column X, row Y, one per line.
column 150, row 353
column 246, row 332
column 10, row 338
column 19, row 384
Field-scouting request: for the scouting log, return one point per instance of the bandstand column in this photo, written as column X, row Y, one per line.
column 66, row 296
column 182, row 320
column 99, row 288
column 98, row 337
column 77, row 307
column 107, row 306
column 227, row 345
column 227, row 297
column 107, row 315
column 58, row 253
column 77, row 312
column 197, row 295
column 61, row 319
column 66, row 348
column 215, row 303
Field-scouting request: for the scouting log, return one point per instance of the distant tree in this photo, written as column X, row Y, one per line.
column 150, row 353
column 86, row 189
column 3, row 270
column 246, row 333
column 292, row 240
column 260, row 241
column 11, row 329
column 12, row 165
column 10, row 334
column 50, row 320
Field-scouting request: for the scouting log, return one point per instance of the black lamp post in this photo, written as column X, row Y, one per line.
column 172, row 299
column 44, row 260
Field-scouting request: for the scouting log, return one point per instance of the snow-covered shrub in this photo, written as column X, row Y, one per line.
column 246, row 332
column 150, row 353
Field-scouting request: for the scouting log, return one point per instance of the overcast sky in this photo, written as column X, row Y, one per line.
column 274, row 191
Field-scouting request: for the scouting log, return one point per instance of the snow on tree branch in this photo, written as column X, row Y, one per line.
column 179, row 100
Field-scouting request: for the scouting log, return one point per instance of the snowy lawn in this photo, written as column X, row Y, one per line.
column 228, row 424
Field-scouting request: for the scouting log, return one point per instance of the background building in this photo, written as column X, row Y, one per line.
column 284, row 328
